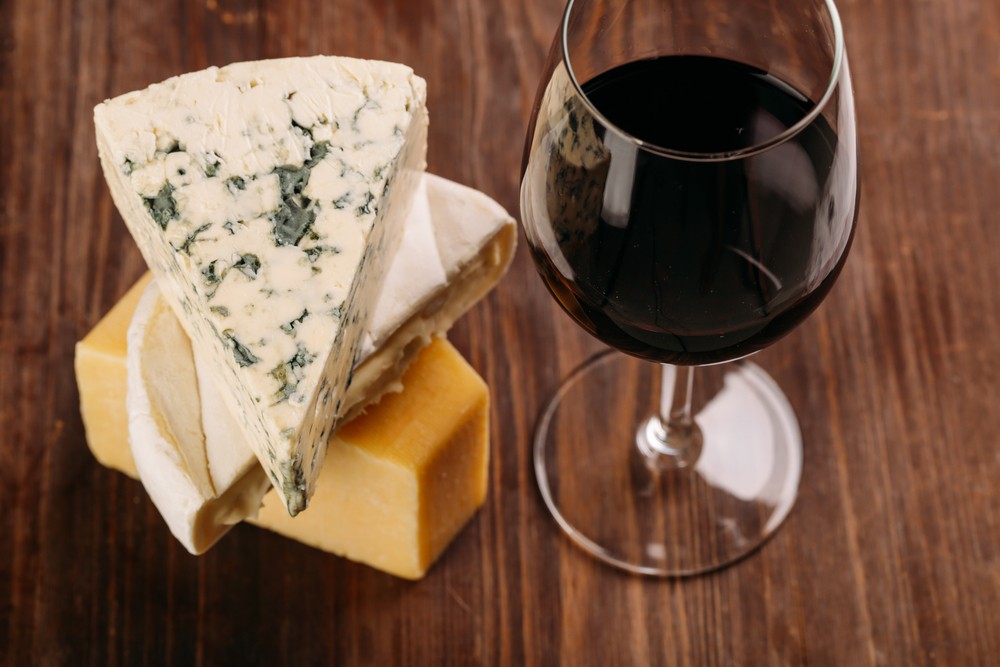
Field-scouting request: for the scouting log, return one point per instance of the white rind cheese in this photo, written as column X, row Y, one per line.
column 262, row 195
column 416, row 272
column 200, row 483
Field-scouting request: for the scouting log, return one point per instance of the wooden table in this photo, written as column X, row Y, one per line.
column 891, row 555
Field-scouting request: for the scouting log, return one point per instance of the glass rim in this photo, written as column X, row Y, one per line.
column 776, row 140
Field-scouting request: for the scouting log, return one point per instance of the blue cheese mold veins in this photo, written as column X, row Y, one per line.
column 259, row 194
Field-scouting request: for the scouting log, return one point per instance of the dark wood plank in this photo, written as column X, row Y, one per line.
column 891, row 556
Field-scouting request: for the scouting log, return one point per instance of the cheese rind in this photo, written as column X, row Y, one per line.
column 168, row 439
column 267, row 198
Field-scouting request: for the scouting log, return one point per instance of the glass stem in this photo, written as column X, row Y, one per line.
column 672, row 439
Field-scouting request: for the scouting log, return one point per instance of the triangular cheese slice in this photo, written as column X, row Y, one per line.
column 267, row 198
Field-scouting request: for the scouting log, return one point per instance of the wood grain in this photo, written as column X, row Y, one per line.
column 891, row 556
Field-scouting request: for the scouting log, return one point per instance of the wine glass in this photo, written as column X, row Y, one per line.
column 689, row 194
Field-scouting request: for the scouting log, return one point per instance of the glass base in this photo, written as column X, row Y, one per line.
column 623, row 507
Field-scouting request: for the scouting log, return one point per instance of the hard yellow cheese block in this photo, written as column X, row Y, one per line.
column 399, row 481
column 100, row 376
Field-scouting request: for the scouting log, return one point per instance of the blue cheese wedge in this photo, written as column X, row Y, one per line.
column 267, row 198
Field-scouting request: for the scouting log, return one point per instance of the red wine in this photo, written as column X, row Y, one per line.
column 679, row 260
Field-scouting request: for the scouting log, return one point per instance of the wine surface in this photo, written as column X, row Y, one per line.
column 679, row 260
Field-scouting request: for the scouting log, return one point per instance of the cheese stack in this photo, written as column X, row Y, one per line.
column 400, row 480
